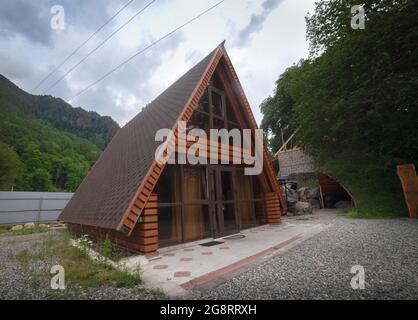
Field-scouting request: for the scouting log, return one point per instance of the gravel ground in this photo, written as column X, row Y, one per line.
column 319, row 267
column 21, row 279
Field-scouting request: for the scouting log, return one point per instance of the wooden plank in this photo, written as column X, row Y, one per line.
column 151, row 205
column 409, row 181
column 147, row 241
column 146, row 219
column 130, row 224
column 145, row 233
column 150, row 212
column 147, row 226
column 148, row 248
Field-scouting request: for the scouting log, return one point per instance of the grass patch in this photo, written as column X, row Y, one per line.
column 6, row 230
column 88, row 273
column 26, row 231
column 23, row 256
column 355, row 214
column 80, row 269
column 376, row 188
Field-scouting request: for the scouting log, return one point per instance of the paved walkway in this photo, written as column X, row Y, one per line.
column 193, row 266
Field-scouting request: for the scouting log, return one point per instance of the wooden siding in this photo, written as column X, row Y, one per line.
column 272, row 207
column 144, row 236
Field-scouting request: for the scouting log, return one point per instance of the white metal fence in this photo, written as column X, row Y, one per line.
column 21, row 207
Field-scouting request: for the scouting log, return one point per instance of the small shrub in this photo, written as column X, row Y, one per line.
column 25, row 231
column 23, row 256
column 83, row 243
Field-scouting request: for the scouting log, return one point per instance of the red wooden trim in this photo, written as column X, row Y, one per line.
column 185, row 115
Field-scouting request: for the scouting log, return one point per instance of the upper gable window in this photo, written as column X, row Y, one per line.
column 204, row 102
column 214, row 109
column 218, row 103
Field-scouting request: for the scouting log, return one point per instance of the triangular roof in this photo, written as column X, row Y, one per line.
column 115, row 191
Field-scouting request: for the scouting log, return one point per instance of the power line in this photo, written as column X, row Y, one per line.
column 97, row 47
column 82, row 45
column 143, row 50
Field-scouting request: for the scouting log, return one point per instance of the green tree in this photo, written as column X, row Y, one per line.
column 277, row 110
column 354, row 100
column 39, row 180
column 356, row 95
column 359, row 96
column 10, row 167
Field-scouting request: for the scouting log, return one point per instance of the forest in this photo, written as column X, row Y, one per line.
column 354, row 99
column 45, row 144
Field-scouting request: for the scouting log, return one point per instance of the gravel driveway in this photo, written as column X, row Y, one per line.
column 319, row 268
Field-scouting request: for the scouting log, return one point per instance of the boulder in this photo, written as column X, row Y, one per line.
column 302, row 207
column 302, row 194
column 315, row 204
column 291, row 195
column 306, row 193
column 29, row 225
column 43, row 225
column 17, row 227
column 342, row 204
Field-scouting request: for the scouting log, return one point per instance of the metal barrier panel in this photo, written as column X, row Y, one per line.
column 22, row 207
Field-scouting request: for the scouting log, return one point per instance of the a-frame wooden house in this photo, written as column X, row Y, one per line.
column 141, row 204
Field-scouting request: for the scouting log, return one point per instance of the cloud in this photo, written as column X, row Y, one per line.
column 15, row 68
column 30, row 19
column 256, row 22
column 125, row 91
column 30, row 49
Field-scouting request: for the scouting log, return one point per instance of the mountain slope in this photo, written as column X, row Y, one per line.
column 61, row 115
column 46, row 145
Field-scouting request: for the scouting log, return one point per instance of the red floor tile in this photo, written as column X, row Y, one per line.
column 160, row 266
column 182, row 274
column 207, row 253
column 186, row 259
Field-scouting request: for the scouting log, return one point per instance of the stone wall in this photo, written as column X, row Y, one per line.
column 294, row 161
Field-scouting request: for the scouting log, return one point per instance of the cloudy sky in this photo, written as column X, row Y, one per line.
column 263, row 38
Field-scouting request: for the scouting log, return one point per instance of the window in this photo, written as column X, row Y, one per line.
column 199, row 120
column 217, row 103
column 196, row 222
column 169, row 225
column 245, row 200
column 194, row 183
column 168, row 186
column 214, row 109
column 183, row 207
column 204, row 102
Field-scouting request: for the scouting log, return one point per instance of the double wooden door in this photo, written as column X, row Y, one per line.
column 222, row 199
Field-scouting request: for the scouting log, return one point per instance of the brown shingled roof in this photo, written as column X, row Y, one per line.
column 104, row 195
